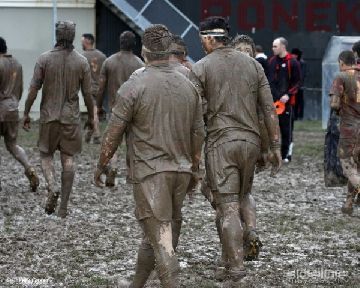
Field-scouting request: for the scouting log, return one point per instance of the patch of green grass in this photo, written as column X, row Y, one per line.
column 309, row 149
column 308, row 126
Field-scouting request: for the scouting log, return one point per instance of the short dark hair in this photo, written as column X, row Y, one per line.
column 3, row 47
column 179, row 42
column 216, row 22
column 127, row 41
column 259, row 49
column 90, row 37
column 244, row 39
column 157, row 40
column 297, row 52
column 356, row 48
column 347, row 57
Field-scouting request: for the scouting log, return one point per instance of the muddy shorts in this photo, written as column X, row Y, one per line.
column 56, row 136
column 161, row 195
column 9, row 130
column 230, row 169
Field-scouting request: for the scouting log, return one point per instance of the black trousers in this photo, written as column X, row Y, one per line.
column 299, row 105
column 285, row 123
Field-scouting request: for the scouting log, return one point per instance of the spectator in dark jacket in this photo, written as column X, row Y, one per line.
column 284, row 79
column 262, row 59
column 299, row 104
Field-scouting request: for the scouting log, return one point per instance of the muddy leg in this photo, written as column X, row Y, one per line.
column 176, row 228
column 96, row 127
column 221, row 272
column 67, row 179
column 19, row 154
column 160, row 237
column 252, row 243
column 232, row 237
column 48, row 170
column 144, row 265
column 352, row 173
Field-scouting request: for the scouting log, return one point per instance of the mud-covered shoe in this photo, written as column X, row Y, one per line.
column 347, row 207
column 252, row 246
column 51, row 202
column 236, row 275
column 221, row 273
column 33, row 178
column 110, row 177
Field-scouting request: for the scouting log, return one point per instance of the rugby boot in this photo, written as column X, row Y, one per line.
column 51, row 201
column 33, row 178
column 252, row 246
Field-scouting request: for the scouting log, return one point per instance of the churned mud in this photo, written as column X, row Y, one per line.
column 307, row 241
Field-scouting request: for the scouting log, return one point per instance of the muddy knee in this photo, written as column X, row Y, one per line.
column 229, row 214
column 67, row 162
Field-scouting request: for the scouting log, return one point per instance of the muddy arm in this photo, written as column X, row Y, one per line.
column 335, row 102
column 35, row 85
column 86, row 92
column 30, row 100
column 336, row 92
column 21, row 83
column 197, row 134
column 111, row 141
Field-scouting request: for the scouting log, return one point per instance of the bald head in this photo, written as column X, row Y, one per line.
column 280, row 47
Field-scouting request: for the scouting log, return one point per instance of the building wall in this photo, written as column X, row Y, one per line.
column 28, row 32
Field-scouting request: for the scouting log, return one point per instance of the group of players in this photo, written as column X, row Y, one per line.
column 167, row 110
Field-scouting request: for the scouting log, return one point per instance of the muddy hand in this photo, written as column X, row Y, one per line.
column 97, row 178
column 261, row 163
column 26, row 123
column 276, row 161
column 89, row 124
column 193, row 183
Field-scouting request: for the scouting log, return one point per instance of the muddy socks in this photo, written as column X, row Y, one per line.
column 67, row 179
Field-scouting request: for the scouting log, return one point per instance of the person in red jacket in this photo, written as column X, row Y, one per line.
column 284, row 76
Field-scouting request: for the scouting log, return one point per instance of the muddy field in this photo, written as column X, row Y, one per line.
column 307, row 241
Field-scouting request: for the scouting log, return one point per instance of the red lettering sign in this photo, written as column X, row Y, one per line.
column 244, row 8
column 316, row 14
column 313, row 16
column 348, row 16
column 215, row 8
column 280, row 14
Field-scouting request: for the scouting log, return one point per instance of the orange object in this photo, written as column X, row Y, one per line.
column 280, row 107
